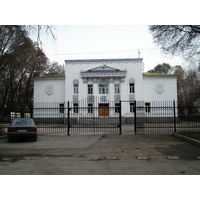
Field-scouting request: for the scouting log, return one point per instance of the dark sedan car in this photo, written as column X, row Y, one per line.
column 22, row 128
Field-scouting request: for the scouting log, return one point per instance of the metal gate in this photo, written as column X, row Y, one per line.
column 93, row 118
column 153, row 117
column 96, row 116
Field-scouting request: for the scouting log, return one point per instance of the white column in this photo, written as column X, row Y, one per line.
column 111, row 89
column 83, row 90
column 95, row 94
column 111, row 96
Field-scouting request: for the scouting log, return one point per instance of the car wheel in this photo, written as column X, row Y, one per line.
column 35, row 139
column 10, row 139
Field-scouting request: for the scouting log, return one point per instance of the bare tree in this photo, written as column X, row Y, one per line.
column 21, row 61
column 53, row 69
column 40, row 29
column 178, row 39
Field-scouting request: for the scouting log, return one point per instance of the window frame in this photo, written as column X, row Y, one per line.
column 132, row 107
column 131, row 88
column 90, row 88
column 117, row 107
column 61, row 107
column 75, row 107
column 90, row 108
column 75, row 88
column 103, row 89
column 147, row 107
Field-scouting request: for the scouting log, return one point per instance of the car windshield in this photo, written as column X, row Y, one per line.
column 22, row 122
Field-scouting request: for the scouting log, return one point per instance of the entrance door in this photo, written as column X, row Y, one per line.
column 103, row 109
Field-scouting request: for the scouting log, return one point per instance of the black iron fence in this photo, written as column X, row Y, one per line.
column 124, row 117
column 73, row 118
column 161, row 117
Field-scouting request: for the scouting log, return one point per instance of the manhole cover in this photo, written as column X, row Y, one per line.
column 111, row 158
column 7, row 159
column 142, row 158
column 173, row 157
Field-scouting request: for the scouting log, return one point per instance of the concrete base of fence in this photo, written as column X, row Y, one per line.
column 125, row 120
column 141, row 120
column 190, row 140
column 50, row 120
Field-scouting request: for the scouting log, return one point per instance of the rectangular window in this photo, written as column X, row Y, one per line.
column 117, row 89
column 61, row 107
column 90, row 89
column 131, row 87
column 75, row 88
column 75, row 107
column 147, row 107
column 90, row 108
column 132, row 107
column 117, row 107
column 103, row 89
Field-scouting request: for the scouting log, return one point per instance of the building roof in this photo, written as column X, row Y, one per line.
column 144, row 74
column 51, row 76
column 106, row 60
column 158, row 74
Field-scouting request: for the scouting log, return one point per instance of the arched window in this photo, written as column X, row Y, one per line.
column 75, row 86
column 131, row 85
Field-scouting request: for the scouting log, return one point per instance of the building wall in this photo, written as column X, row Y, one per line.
column 132, row 66
column 147, row 88
column 49, row 90
column 160, row 88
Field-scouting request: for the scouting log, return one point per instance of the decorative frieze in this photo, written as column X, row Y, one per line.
column 95, row 80
column 117, row 98
column 103, row 98
column 159, row 88
column 49, row 90
column 75, row 98
column 131, row 97
column 102, row 61
column 103, row 72
column 122, row 80
column 90, row 99
column 85, row 80
column 111, row 80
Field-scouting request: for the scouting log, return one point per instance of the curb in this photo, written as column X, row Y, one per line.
column 187, row 139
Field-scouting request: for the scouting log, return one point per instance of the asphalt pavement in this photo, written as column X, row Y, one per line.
column 100, row 155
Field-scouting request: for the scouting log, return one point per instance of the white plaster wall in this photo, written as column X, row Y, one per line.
column 170, row 88
column 134, row 70
column 58, row 85
column 132, row 66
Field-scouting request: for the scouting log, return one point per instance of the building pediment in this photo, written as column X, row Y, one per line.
column 103, row 71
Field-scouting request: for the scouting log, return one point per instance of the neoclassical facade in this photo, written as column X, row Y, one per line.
column 104, row 82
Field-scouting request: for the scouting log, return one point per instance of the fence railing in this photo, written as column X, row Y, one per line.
column 124, row 117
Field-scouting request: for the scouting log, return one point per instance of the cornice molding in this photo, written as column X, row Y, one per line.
column 107, row 61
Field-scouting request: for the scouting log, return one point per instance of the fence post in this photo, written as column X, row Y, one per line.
column 174, row 116
column 120, row 117
column 68, row 118
column 135, row 121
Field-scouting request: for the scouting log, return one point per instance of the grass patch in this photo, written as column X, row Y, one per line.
column 193, row 135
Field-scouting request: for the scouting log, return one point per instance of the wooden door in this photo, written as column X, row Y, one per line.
column 103, row 109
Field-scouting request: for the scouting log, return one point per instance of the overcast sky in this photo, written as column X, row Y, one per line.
column 87, row 27
column 92, row 41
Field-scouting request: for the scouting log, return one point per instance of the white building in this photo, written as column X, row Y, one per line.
column 104, row 82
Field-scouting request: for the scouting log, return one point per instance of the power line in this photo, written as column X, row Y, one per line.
column 58, row 54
